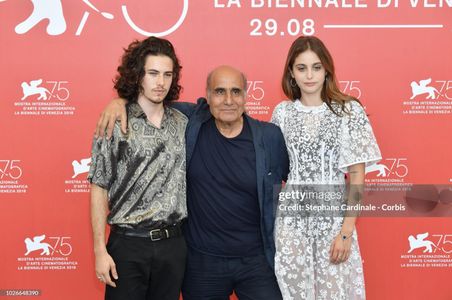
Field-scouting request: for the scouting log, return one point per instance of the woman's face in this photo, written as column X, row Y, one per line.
column 309, row 73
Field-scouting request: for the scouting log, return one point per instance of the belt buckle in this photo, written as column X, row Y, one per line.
column 151, row 235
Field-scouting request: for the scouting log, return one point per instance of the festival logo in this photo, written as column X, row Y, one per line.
column 51, row 12
column 381, row 169
column 11, row 182
column 33, row 88
column 422, row 88
column 47, row 253
column 420, row 242
column 387, row 183
column 388, row 170
column 37, row 244
column 44, row 98
column 429, row 97
column 351, row 87
column 255, row 94
column 81, row 167
column 78, row 183
column 428, row 251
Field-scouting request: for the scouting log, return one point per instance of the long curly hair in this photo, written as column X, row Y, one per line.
column 131, row 71
column 330, row 91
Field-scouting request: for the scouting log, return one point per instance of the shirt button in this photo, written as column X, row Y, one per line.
column 269, row 173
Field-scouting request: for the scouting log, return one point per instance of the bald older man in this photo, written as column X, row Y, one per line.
column 233, row 164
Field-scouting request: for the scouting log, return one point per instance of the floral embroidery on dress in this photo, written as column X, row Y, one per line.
column 321, row 145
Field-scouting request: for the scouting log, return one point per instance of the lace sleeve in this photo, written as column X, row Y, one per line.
column 358, row 143
column 278, row 115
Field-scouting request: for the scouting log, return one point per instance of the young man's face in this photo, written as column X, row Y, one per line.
column 158, row 75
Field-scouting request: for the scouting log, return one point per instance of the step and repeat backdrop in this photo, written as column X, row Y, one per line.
column 58, row 60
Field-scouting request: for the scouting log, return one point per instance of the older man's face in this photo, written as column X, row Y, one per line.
column 226, row 96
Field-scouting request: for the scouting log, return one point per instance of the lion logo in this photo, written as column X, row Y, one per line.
column 422, row 88
column 35, row 245
column 420, row 242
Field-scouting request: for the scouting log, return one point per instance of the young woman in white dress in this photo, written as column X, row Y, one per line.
column 327, row 134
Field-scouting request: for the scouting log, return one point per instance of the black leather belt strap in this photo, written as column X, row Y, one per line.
column 154, row 234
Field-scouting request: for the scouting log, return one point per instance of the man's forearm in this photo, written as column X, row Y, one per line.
column 99, row 211
column 186, row 108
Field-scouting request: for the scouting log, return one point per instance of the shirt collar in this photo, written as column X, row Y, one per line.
column 136, row 111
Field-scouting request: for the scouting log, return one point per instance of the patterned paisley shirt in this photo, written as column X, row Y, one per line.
column 143, row 171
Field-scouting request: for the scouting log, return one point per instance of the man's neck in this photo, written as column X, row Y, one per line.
column 230, row 130
column 153, row 111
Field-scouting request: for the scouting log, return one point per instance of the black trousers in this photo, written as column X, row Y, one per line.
column 146, row 269
column 215, row 278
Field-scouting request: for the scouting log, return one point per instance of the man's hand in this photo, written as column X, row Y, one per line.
column 115, row 110
column 105, row 264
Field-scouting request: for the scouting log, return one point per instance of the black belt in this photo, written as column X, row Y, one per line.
column 154, row 234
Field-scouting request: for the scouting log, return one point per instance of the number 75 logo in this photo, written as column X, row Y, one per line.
column 351, row 87
column 10, row 168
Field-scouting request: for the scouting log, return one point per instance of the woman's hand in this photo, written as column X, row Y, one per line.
column 341, row 248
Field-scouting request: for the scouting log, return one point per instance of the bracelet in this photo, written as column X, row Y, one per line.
column 344, row 237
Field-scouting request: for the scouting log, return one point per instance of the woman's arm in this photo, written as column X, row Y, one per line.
column 341, row 245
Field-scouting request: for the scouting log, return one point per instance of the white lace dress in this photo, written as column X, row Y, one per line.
column 321, row 146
